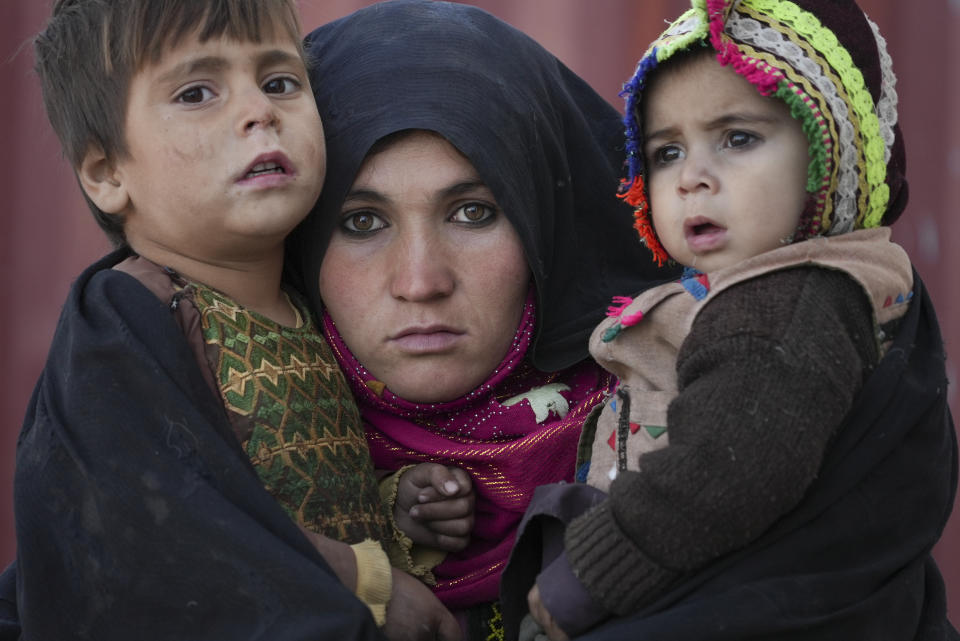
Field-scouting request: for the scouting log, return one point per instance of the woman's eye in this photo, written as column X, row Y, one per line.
column 362, row 222
column 281, row 85
column 195, row 95
column 473, row 213
column 740, row 138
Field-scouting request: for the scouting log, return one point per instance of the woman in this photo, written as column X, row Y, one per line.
column 467, row 241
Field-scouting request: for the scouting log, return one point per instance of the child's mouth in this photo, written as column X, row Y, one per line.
column 271, row 169
column 265, row 168
column 704, row 228
column 704, row 235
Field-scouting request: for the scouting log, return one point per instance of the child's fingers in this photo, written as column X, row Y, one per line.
column 415, row 480
column 421, row 475
column 462, row 478
column 451, row 527
column 443, row 510
column 542, row 616
column 429, row 495
column 449, row 481
column 535, row 606
column 451, row 543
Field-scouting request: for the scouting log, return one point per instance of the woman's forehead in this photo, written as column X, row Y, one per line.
column 421, row 161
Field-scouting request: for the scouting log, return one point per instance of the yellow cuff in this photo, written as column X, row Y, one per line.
column 415, row 560
column 374, row 579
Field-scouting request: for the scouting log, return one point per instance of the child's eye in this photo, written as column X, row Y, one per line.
column 740, row 139
column 473, row 213
column 666, row 154
column 362, row 222
column 281, row 85
column 195, row 95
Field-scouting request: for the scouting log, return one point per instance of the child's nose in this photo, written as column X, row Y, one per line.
column 257, row 111
column 696, row 174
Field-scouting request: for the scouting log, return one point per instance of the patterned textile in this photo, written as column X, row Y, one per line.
column 829, row 63
column 493, row 433
column 485, row 622
column 295, row 417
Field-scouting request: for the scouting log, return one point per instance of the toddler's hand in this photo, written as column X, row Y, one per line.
column 542, row 616
column 435, row 506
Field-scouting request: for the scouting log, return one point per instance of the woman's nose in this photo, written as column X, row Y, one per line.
column 422, row 269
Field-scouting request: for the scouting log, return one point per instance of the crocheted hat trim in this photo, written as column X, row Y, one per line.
column 787, row 28
column 780, row 27
column 887, row 104
column 786, row 52
column 817, row 122
column 805, row 103
column 686, row 30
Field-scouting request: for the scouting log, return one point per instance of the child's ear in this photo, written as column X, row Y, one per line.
column 102, row 182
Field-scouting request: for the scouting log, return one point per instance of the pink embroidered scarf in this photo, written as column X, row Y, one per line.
column 496, row 438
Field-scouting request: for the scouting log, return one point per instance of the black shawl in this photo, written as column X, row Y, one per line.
column 548, row 146
column 138, row 516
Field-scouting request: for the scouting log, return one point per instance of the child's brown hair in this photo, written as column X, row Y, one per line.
column 90, row 49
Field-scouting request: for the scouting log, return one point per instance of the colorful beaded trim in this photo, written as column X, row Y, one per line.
column 787, row 52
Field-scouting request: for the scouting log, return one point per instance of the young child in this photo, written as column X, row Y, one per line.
column 753, row 471
column 191, row 433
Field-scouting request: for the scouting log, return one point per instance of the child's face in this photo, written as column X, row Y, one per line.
column 727, row 167
column 226, row 150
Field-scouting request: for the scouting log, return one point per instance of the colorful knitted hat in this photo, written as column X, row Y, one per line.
column 829, row 63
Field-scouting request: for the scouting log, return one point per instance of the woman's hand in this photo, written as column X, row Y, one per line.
column 434, row 506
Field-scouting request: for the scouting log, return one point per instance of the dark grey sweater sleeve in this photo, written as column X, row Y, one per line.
column 766, row 376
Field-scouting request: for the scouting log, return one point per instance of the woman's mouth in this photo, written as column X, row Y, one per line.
column 426, row 340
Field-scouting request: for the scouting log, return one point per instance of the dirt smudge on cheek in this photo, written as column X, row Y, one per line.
column 185, row 144
column 193, row 149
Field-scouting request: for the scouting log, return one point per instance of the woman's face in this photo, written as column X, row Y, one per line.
column 424, row 276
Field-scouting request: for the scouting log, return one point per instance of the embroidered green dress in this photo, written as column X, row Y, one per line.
column 294, row 415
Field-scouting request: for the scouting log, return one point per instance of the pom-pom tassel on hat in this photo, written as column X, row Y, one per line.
column 636, row 195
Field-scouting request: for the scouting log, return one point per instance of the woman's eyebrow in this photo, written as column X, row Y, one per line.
column 366, row 195
column 456, row 189
column 461, row 188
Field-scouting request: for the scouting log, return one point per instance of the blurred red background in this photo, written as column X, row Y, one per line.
column 47, row 235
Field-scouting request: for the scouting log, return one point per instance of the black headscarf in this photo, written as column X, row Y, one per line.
column 548, row 146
